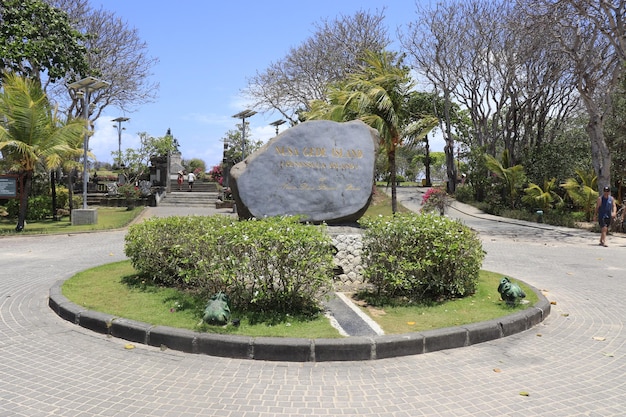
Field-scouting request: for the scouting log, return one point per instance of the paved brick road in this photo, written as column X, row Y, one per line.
column 573, row 364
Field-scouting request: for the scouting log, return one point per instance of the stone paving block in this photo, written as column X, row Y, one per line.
column 349, row 349
column 282, row 349
column 534, row 316
column 514, row 323
column 543, row 305
column 56, row 298
column 70, row 311
column 391, row 346
column 483, row 332
column 96, row 321
column 223, row 345
column 441, row 339
column 172, row 338
column 134, row 331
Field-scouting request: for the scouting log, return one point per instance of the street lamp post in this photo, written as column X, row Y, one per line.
column 87, row 85
column 427, row 162
column 276, row 124
column 243, row 115
column 225, row 165
column 119, row 127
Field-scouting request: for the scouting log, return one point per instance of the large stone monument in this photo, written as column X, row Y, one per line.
column 320, row 170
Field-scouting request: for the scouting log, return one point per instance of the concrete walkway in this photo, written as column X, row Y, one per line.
column 573, row 364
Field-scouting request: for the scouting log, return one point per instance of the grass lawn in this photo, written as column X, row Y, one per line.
column 484, row 305
column 108, row 218
column 115, row 289
column 381, row 205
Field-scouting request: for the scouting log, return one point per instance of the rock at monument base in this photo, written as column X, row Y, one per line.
column 320, row 170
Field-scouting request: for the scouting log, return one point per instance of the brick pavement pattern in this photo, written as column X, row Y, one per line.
column 573, row 364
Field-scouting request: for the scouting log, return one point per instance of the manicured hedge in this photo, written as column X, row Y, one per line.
column 270, row 265
column 423, row 257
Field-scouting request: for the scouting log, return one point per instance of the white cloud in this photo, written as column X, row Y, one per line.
column 105, row 139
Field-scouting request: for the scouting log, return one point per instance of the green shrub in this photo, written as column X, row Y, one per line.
column 278, row 264
column 175, row 251
column 63, row 197
column 464, row 193
column 553, row 217
column 526, row 215
column 399, row 178
column 269, row 265
column 39, row 207
column 579, row 216
column 559, row 218
column 423, row 257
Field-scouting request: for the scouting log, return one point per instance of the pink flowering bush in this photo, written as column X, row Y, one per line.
column 435, row 199
column 216, row 174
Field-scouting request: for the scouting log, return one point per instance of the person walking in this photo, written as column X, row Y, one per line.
column 190, row 179
column 606, row 211
column 179, row 180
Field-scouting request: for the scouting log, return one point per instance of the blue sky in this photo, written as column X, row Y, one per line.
column 207, row 51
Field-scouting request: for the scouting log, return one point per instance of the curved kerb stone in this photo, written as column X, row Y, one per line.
column 299, row 350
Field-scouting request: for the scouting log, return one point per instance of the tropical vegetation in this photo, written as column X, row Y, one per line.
column 378, row 95
column 274, row 264
column 526, row 95
column 32, row 134
column 423, row 258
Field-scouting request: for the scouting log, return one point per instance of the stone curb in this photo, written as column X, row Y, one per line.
column 299, row 350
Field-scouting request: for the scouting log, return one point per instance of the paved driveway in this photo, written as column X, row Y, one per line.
column 573, row 364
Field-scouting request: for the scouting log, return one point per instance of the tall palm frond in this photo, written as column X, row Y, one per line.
column 376, row 95
column 544, row 198
column 513, row 177
column 583, row 193
column 31, row 136
column 415, row 131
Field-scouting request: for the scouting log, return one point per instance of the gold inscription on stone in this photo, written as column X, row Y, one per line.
column 347, row 153
column 321, row 186
column 341, row 167
column 314, row 152
column 286, row 151
column 319, row 152
column 337, row 159
column 302, row 164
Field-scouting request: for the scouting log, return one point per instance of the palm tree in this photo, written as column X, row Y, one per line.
column 31, row 136
column 71, row 163
column 583, row 194
column 377, row 95
column 544, row 198
column 513, row 177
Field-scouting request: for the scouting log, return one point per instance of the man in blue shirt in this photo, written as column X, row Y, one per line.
column 606, row 211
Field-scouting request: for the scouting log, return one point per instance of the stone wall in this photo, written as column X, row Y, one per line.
column 348, row 258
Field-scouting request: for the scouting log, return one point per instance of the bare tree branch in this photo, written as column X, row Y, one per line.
column 335, row 50
column 592, row 37
column 116, row 54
